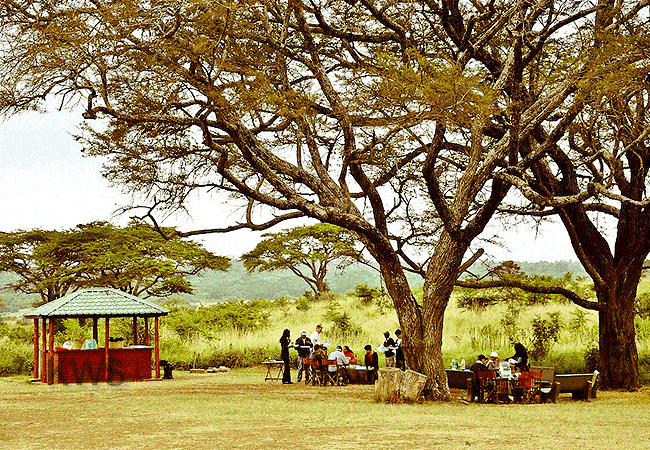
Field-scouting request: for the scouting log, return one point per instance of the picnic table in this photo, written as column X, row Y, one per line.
column 271, row 367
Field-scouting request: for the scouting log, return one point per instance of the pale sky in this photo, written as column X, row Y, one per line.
column 45, row 182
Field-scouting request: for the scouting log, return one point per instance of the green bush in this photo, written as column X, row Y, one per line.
column 545, row 333
column 19, row 333
column 188, row 321
column 565, row 362
column 342, row 324
column 15, row 358
column 302, row 304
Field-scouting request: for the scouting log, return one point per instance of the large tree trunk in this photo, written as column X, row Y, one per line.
column 618, row 357
column 422, row 327
column 619, row 360
column 616, row 278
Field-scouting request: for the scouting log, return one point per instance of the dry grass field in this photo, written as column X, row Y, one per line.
column 240, row 410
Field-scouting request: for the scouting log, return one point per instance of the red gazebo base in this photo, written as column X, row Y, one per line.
column 89, row 366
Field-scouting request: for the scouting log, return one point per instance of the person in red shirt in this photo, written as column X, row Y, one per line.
column 372, row 364
column 349, row 355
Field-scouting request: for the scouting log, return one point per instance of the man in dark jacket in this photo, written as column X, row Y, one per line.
column 478, row 366
column 389, row 343
column 303, row 346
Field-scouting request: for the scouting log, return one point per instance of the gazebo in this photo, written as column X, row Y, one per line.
column 61, row 365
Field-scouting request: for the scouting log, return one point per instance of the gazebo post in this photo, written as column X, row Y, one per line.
column 95, row 332
column 157, row 348
column 106, row 338
column 135, row 330
column 50, row 350
column 36, row 352
column 147, row 339
column 44, row 351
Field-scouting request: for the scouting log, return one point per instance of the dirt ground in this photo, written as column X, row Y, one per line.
column 241, row 410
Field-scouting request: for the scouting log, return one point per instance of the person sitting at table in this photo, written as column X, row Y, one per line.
column 478, row 366
column 520, row 358
column 349, row 355
column 371, row 360
column 341, row 362
column 317, row 354
column 493, row 364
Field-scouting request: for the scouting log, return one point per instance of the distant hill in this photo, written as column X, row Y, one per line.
column 238, row 284
column 555, row 269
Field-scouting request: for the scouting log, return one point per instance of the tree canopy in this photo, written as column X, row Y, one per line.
column 404, row 122
column 307, row 251
column 135, row 259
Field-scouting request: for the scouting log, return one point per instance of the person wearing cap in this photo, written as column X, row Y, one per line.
column 303, row 346
column 389, row 353
column 478, row 366
column 493, row 364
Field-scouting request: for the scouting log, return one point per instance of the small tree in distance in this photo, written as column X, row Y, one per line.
column 307, row 251
column 134, row 259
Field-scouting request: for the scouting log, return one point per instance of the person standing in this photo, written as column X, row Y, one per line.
column 389, row 344
column 400, row 362
column 285, row 341
column 315, row 336
column 371, row 360
column 303, row 346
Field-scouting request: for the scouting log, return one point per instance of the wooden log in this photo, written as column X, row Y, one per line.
column 387, row 388
column 412, row 385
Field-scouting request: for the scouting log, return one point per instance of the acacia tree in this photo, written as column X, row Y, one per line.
column 135, row 259
column 312, row 248
column 599, row 176
column 388, row 119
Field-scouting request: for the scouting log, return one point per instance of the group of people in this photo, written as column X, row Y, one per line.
column 311, row 347
column 519, row 360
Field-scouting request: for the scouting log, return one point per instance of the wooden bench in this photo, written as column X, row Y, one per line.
column 582, row 386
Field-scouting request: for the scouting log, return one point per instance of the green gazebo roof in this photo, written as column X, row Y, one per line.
column 98, row 302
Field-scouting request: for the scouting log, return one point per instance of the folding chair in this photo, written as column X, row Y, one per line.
column 342, row 374
column 306, row 370
column 487, row 386
column 530, row 384
column 330, row 376
column 316, row 372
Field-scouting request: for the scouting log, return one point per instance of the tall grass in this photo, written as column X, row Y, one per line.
column 466, row 334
